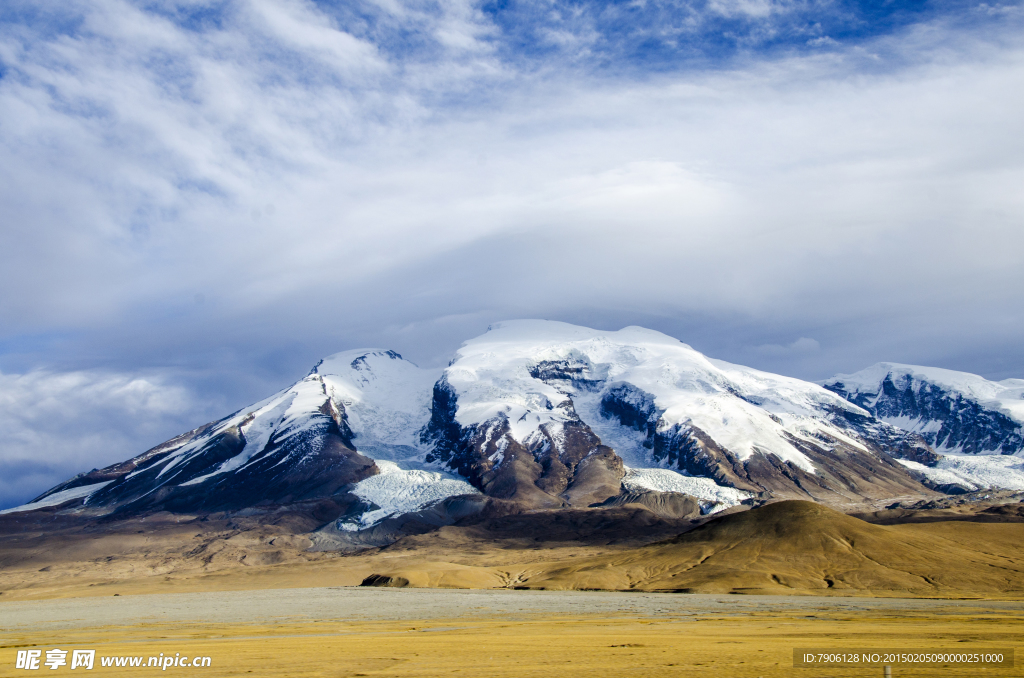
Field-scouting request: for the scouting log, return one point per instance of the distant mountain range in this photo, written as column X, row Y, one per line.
column 544, row 415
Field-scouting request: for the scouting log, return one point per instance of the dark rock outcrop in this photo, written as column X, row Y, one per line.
column 964, row 424
column 671, row 505
column 843, row 471
column 568, row 466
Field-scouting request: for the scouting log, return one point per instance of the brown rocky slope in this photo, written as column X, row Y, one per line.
column 797, row 547
column 783, row 548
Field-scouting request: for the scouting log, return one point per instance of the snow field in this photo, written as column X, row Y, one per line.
column 397, row 491
column 975, row 472
column 59, row 498
column 740, row 408
column 665, row 480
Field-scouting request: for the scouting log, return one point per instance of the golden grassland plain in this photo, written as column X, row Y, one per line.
column 413, row 633
column 258, row 601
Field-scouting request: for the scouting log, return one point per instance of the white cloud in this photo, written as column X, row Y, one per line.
column 142, row 150
column 753, row 8
column 823, row 41
column 55, row 425
column 298, row 25
column 867, row 197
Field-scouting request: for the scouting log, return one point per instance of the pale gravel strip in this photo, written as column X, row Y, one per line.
column 368, row 604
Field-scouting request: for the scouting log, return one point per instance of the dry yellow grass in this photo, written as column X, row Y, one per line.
column 250, row 600
column 732, row 646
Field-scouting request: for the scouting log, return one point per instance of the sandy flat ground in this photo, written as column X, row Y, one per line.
column 383, row 604
column 407, row 633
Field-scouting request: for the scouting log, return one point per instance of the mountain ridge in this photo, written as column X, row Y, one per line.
column 954, row 411
column 974, row 427
column 530, row 415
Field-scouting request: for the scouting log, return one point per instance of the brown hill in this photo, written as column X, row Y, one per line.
column 798, row 546
column 783, row 548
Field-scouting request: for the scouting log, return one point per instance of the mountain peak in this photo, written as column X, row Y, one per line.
column 533, row 414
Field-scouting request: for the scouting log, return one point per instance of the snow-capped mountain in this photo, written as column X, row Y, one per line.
column 550, row 413
column 298, row 445
column 532, row 414
column 975, row 426
column 955, row 412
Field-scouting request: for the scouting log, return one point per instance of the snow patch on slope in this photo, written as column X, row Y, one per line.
column 397, row 491
column 975, row 472
column 266, row 421
column 665, row 480
column 58, row 498
column 628, row 443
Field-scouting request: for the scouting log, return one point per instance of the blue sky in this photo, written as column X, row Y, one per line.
column 200, row 199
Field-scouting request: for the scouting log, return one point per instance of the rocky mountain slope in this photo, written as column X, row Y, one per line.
column 530, row 415
column 551, row 414
column 296, row 446
column 975, row 426
column 953, row 411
